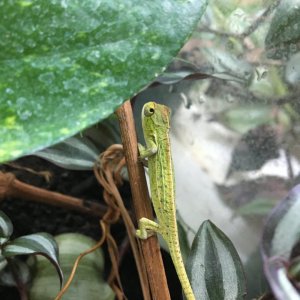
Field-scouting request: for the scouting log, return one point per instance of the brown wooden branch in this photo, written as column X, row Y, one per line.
column 10, row 186
column 142, row 205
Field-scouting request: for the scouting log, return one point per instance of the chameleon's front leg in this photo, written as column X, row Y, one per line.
column 147, row 228
column 150, row 150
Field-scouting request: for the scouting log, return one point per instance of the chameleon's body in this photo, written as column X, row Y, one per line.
column 156, row 125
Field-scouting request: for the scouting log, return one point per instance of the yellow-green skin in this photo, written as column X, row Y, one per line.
column 156, row 125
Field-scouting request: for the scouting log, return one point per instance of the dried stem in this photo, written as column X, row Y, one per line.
column 141, row 202
column 12, row 187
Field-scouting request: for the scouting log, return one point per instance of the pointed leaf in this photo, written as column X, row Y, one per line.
column 39, row 243
column 6, row 227
column 65, row 65
column 214, row 266
column 88, row 282
column 281, row 233
column 75, row 153
column 175, row 77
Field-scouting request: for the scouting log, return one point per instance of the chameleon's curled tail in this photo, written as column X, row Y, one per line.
column 180, row 269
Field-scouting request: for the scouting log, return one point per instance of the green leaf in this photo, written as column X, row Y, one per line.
column 176, row 77
column 88, row 282
column 65, row 65
column 283, row 37
column 214, row 267
column 247, row 116
column 226, row 66
column 259, row 207
column 6, row 227
column 39, row 243
column 74, row 153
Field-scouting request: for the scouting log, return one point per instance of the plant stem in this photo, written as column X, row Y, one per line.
column 12, row 187
column 141, row 202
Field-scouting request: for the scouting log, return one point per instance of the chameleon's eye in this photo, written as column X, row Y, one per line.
column 149, row 111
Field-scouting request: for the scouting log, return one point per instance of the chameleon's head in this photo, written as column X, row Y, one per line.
column 155, row 114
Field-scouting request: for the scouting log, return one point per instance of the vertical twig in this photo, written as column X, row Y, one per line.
column 141, row 203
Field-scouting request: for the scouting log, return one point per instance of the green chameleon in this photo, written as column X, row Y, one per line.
column 156, row 125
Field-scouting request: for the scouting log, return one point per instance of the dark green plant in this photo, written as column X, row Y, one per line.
column 15, row 272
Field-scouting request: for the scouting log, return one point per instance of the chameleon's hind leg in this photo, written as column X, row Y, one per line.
column 147, row 228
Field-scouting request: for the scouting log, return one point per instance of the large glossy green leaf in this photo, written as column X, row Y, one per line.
column 283, row 38
column 67, row 64
column 6, row 227
column 39, row 243
column 214, row 266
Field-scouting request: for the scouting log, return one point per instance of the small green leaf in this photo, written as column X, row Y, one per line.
column 245, row 117
column 259, row 207
column 39, row 243
column 6, row 227
column 214, row 267
column 283, row 37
